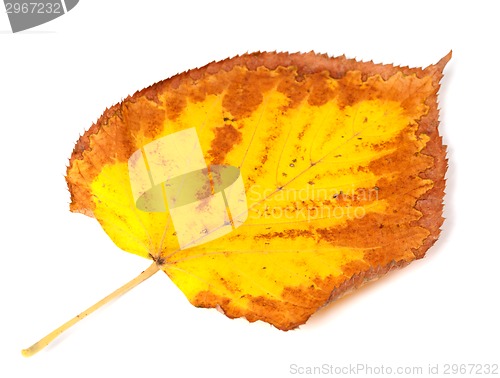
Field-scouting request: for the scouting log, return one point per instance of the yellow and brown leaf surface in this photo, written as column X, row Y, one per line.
column 342, row 164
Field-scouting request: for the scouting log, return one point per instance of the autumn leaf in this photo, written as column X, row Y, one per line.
column 269, row 184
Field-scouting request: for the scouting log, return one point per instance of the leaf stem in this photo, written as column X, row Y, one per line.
column 38, row 346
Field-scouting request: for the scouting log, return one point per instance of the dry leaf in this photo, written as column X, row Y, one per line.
column 270, row 184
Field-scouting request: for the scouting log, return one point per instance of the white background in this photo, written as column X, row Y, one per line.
column 56, row 79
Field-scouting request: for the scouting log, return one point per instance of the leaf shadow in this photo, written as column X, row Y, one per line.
column 449, row 212
column 328, row 313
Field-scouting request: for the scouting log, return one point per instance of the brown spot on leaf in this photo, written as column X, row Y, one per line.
column 286, row 234
column 321, row 92
column 296, row 91
column 245, row 91
column 174, row 105
column 226, row 137
column 144, row 116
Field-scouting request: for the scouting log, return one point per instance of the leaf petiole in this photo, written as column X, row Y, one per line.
column 38, row 346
